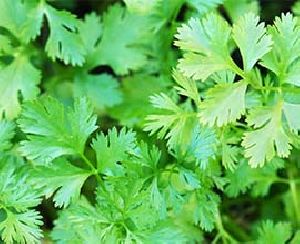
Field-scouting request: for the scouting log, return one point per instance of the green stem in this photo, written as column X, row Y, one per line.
column 223, row 234
column 295, row 200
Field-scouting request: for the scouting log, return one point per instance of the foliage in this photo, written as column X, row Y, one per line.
column 160, row 121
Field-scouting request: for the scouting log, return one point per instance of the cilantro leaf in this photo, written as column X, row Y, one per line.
column 63, row 42
column 111, row 50
column 252, row 39
column 6, row 134
column 54, row 130
column 113, row 149
column 62, row 178
column 176, row 125
column 205, row 43
column 102, row 90
column 260, row 144
column 21, row 76
column 274, row 233
column 19, row 222
column 223, row 104
column 282, row 59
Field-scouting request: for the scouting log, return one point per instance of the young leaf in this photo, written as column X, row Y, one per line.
column 274, row 233
column 224, row 103
column 112, row 149
column 252, row 39
column 205, row 43
column 260, row 144
column 285, row 33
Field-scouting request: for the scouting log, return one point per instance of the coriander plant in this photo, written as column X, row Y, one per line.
column 149, row 121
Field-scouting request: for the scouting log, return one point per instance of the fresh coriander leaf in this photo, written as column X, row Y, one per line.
column 291, row 112
column 111, row 50
column 274, row 233
column 63, row 42
column 176, row 125
column 102, row 90
column 205, row 43
column 224, row 103
column 203, row 144
column 282, row 60
column 6, row 134
column 260, row 144
column 90, row 31
column 203, row 6
column 54, row 130
column 113, row 149
column 21, row 227
column 61, row 179
column 252, row 39
column 19, row 76
column 20, row 222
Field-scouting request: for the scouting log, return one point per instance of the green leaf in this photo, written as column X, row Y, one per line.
column 113, row 149
column 203, row 6
column 7, row 132
column 61, row 179
column 63, row 42
column 203, row 144
column 237, row 9
column 21, row 227
column 136, row 92
column 224, row 103
column 252, row 39
column 19, row 222
column 260, row 144
column 282, row 59
column 19, row 76
column 186, row 87
column 274, row 233
column 121, row 53
column 205, row 43
column 102, row 90
column 291, row 112
column 90, row 31
column 175, row 124
column 53, row 130
column 259, row 180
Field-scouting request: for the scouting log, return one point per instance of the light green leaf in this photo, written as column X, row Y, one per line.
column 121, row 53
column 6, row 134
column 63, row 42
column 90, row 31
column 252, row 39
column 175, row 123
column 113, row 149
column 21, row 227
column 203, row 6
column 19, row 76
column 205, row 43
column 274, row 233
column 223, row 104
column 292, row 112
column 260, row 144
column 102, row 90
column 61, row 179
column 282, row 59
column 53, row 130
